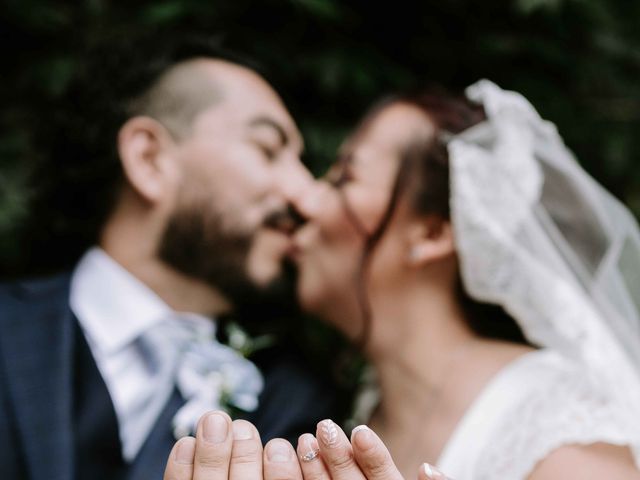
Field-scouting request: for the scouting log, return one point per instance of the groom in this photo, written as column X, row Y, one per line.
column 206, row 165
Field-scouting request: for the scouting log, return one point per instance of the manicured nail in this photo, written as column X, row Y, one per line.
column 363, row 437
column 215, row 428
column 308, row 448
column 279, row 450
column 328, row 432
column 432, row 472
column 185, row 450
column 242, row 430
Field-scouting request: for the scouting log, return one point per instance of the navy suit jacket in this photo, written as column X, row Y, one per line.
column 36, row 389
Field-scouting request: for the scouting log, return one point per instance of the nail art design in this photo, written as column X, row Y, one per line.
column 329, row 432
column 434, row 473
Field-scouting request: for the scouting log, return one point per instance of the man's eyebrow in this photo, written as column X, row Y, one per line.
column 271, row 123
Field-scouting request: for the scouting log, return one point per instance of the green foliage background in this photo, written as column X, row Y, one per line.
column 578, row 61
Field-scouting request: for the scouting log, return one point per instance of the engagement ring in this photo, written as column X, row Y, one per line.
column 310, row 456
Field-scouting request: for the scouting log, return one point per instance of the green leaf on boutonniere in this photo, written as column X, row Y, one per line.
column 240, row 341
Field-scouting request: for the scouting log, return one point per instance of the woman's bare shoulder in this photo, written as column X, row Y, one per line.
column 598, row 460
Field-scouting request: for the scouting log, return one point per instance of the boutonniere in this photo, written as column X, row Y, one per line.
column 214, row 376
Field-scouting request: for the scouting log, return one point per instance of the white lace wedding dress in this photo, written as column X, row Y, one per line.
column 535, row 405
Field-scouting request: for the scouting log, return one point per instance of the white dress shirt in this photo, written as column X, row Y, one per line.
column 118, row 315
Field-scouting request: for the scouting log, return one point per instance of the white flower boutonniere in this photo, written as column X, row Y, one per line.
column 212, row 376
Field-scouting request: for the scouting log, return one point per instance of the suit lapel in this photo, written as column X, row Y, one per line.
column 38, row 345
column 151, row 461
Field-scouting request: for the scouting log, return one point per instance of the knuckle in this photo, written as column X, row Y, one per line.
column 313, row 475
column 246, row 451
column 212, row 462
column 374, row 458
column 342, row 461
column 284, row 472
column 177, row 476
column 379, row 470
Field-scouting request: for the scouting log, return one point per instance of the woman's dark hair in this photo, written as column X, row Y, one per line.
column 423, row 174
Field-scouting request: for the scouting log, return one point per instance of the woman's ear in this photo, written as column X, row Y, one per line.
column 142, row 146
column 429, row 239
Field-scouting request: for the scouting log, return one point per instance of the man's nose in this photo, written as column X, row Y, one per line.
column 296, row 182
column 308, row 202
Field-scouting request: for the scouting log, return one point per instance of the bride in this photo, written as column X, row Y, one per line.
column 491, row 284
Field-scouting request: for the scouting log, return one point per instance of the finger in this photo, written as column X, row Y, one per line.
column 311, row 464
column 213, row 447
column 372, row 455
column 336, row 452
column 280, row 462
column 246, row 454
column 180, row 462
column 429, row 472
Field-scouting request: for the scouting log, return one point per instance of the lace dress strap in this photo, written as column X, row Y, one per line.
column 535, row 405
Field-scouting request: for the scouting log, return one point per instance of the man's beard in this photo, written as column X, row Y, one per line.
column 196, row 243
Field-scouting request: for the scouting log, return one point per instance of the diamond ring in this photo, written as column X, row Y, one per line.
column 310, row 456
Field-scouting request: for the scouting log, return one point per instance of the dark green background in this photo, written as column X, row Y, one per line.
column 578, row 61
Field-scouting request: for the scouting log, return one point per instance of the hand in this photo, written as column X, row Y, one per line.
column 330, row 456
column 226, row 450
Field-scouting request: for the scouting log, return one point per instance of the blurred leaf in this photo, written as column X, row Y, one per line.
column 40, row 16
column 163, row 13
column 96, row 7
column 13, row 187
column 530, row 6
column 54, row 74
column 326, row 9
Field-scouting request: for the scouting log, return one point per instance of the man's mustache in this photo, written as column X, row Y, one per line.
column 286, row 219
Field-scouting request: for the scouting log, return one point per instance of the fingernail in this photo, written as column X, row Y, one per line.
column 308, row 448
column 328, row 432
column 432, row 472
column 362, row 437
column 242, row 430
column 279, row 451
column 185, row 451
column 215, row 428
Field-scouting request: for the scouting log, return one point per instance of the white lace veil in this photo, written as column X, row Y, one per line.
column 537, row 235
